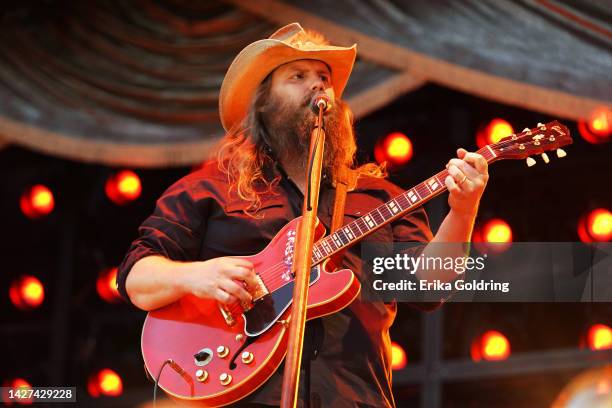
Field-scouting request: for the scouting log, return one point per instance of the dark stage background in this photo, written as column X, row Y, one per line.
column 69, row 120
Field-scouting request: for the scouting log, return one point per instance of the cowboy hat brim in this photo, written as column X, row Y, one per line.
column 259, row 59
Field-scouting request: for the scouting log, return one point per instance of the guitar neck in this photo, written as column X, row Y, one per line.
column 395, row 208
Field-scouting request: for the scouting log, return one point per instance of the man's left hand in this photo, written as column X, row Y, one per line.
column 466, row 182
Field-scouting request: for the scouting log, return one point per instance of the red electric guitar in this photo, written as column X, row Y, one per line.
column 217, row 355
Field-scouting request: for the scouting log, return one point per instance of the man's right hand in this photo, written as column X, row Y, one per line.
column 221, row 279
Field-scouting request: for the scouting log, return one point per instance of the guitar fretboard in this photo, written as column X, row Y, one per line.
column 352, row 232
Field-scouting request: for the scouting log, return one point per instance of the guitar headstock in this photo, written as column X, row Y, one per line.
column 540, row 139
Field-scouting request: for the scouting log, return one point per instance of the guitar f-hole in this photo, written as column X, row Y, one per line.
column 249, row 340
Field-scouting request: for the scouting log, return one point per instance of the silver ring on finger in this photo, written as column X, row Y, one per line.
column 463, row 179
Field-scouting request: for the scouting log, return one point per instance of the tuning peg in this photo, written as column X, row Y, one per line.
column 545, row 158
column 561, row 153
column 530, row 162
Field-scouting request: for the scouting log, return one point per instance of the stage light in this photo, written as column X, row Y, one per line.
column 106, row 285
column 497, row 230
column 105, row 382
column 123, row 187
column 496, row 130
column 395, row 149
column 16, row 383
column 37, row 201
column 398, row 357
column 598, row 127
column 595, row 226
column 599, row 337
column 27, row 292
column 491, row 346
column 494, row 235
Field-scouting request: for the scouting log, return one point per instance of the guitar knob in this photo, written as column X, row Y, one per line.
column 239, row 337
column 222, row 351
column 545, row 158
column 201, row 375
column 561, row 153
column 247, row 357
column 530, row 162
column 225, row 378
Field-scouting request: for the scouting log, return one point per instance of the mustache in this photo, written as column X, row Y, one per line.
column 308, row 99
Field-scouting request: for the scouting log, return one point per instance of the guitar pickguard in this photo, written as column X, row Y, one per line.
column 266, row 311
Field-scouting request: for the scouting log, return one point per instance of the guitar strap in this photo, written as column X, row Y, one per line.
column 346, row 181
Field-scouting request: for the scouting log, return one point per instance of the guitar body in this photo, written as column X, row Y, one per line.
column 234, row 360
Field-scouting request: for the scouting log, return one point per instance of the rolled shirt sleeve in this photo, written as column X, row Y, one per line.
column 173, row 231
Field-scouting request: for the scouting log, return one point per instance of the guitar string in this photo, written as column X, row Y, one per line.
column 270, row 275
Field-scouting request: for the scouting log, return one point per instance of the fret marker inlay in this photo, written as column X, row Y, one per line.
column 413, row 197
column 348, row 232
column 337, row 240
column 393, row 207
column 433, row 184
column 369, row 221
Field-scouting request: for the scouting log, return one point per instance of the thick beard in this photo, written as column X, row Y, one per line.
column 289, row 129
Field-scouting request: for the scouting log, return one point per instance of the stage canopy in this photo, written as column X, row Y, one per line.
column 136, row 82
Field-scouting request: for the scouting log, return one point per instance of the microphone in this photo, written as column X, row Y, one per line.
column 320, row 101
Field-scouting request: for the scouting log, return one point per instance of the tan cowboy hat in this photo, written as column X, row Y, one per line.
column 257, row 60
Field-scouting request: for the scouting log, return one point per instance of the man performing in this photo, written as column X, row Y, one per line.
column 235, row 205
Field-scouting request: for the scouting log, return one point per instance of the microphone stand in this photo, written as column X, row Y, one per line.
column 302, row 263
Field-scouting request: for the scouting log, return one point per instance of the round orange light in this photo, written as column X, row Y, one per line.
column 105, row 382
column 497, row 230
column 37, row 201
column 491, row 346
column 399, row 147
column 498, row 129
column 495, row 131
column 494, row 235
column 598, row 127
column 106, row 285
column 128, row 184
column 600, row 224
column 110, row 383
column 398, row 357
column 20, row 383
column 395, row 148
column 599, row 122
column 596, row 225
column 599, row 337
column 123, row 187
column 27, row 292
column 16, row 383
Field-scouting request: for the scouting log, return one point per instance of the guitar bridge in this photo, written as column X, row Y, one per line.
column 259, row 291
